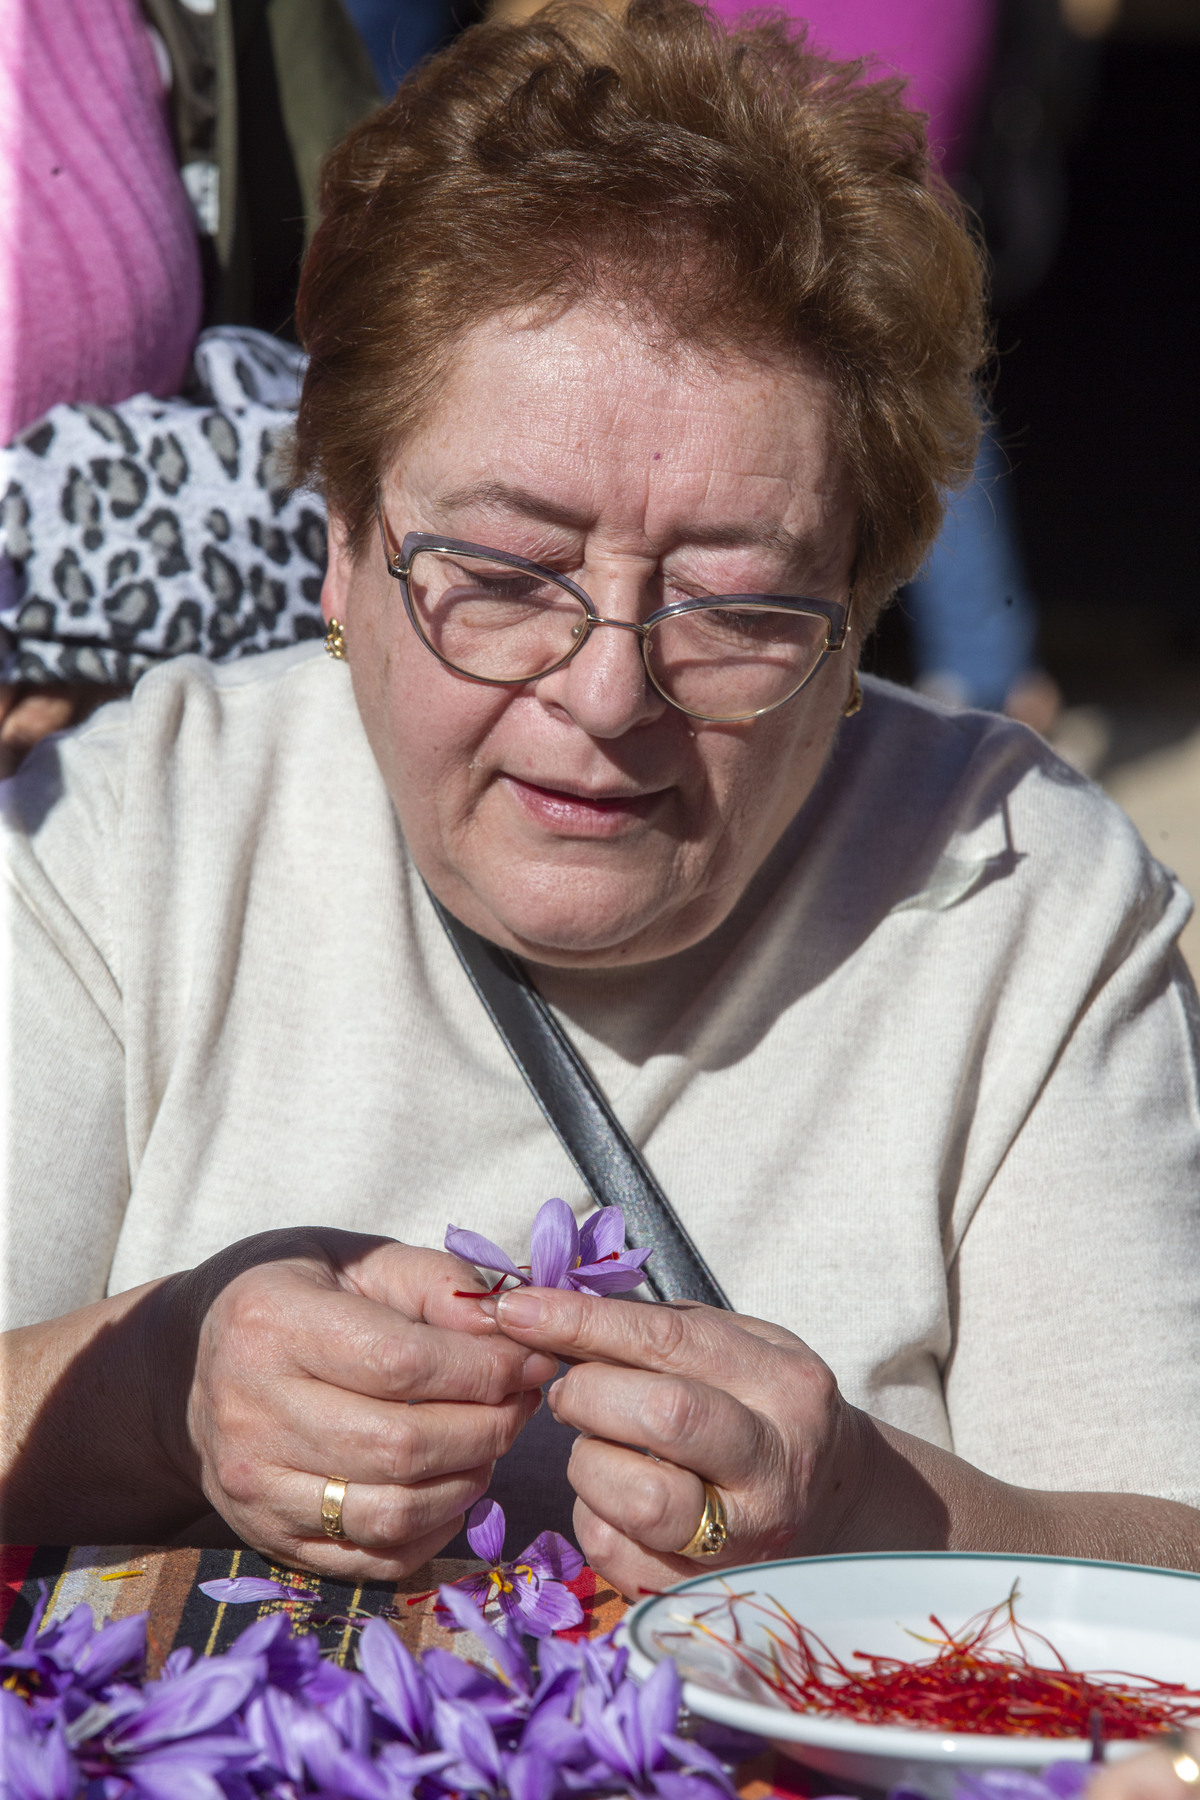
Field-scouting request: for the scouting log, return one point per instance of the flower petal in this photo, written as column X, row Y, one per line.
column 505, row 1652
column 695, row 1759
column 485, row 1531
column 37, row 1767
column 205, row 1697
column 602, row 1235
column 169, row 1780
column 480, row 1251
column 67, row 1640
column 119, row 1642
column 553, row 1245
column 1067, row 1779
column 606, row 1738
column 546, row 1606
column 607, row 1278
column 530, row 1776
column 242, row 1589
column 551, row 1554
column 470, row 1738
column 394, row 1678
column 671, row 1784
column 658, row 1709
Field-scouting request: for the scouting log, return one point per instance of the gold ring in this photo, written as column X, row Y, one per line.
column 1185, row 1764
column 711, row 1534
column 331, row 1508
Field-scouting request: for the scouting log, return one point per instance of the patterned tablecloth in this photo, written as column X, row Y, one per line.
column 119, row 1580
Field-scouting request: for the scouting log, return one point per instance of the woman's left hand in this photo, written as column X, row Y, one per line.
column 713, row 1397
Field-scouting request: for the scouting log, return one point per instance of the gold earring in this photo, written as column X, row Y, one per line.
column 853, row 699
column 335, row 641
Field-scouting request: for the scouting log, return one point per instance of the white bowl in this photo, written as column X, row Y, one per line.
column 1100, row 1616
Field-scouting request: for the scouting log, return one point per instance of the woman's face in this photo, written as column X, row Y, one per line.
column 580, row 820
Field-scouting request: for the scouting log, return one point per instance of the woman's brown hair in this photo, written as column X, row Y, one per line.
column 738, row 189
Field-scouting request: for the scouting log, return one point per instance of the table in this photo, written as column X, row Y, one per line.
column 117, row 1580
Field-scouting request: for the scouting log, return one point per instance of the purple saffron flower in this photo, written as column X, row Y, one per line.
column 530, row 1592
column 453, row 1679
column 72, row 1651
column 336, row 1765
column 597, row 1663
column 561, row 1255
column 481, row 1765
column 633, row 1736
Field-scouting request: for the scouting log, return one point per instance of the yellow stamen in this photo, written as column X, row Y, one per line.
column 122, row 1574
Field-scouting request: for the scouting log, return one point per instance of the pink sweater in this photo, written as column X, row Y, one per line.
column 942, row 46
column 99, row 268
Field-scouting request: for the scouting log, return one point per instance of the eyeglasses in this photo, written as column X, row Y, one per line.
column 502, row 620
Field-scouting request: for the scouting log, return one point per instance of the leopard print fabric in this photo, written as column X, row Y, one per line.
column 136, row 532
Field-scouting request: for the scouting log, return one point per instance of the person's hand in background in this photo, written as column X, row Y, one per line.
column 1169, row 1773
column 28, row 714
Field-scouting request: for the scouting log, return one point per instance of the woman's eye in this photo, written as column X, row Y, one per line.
column 495, row 583
column 508, row 587
column 733, row 623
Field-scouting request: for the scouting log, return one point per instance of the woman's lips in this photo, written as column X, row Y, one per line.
column 582, row 815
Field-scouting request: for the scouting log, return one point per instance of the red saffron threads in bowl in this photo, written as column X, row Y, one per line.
column 968, row 1685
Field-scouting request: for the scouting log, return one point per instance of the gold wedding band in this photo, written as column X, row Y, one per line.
column 331, row 1508
column 711, row 1534
column 1184, row 1763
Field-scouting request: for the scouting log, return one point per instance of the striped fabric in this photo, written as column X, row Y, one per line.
column 100, row 288
column 117, row 1581
column 129, row 1578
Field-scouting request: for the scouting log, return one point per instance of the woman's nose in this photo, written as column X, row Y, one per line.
column 604, row 687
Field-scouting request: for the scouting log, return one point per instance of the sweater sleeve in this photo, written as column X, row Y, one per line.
column 1076, row 1289
column 65, row 1174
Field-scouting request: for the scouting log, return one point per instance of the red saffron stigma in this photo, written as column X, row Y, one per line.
column 968, row 1685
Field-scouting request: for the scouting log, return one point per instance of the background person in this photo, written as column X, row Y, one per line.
column 172, row 187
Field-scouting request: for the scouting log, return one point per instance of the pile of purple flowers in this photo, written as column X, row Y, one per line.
column 272, row 1717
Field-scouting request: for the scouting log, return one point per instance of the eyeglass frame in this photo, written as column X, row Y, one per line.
column 836, row 614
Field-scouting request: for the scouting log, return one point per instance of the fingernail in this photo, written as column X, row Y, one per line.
column 518, row 1308
column 552, row 1394
column 488, row 1306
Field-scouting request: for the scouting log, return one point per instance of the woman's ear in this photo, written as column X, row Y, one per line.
column 336, row 585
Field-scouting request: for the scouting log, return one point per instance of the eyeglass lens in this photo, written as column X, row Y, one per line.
column 502, row 624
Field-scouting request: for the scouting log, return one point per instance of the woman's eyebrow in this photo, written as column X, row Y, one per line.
column 505, row 496
column 794, row 547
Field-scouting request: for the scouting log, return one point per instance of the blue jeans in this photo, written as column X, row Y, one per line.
column 398, row 33
column 974, row 624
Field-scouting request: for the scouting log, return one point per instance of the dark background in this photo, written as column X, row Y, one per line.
column 1097, row 394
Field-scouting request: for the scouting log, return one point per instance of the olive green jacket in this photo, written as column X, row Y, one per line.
column 261, row 91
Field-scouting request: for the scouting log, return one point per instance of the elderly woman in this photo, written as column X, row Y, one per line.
column 641, row 357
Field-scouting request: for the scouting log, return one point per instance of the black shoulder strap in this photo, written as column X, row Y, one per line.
column 589, row 1132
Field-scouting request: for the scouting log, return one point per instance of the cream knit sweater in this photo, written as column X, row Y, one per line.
column 929, row 1098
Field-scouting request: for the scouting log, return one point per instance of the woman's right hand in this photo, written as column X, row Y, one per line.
column 244, row 1384
column 322, row 1353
